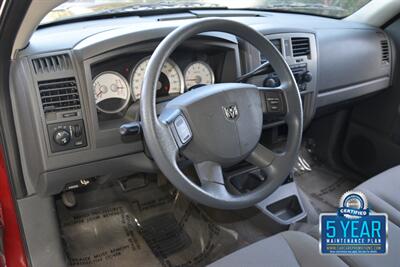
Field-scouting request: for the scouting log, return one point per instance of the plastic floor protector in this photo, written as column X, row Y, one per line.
column 153, row 229
column 105, row 237
column 324, row 187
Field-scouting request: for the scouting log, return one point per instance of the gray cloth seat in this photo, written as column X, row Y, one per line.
column 292, row 248
column 285, row 249
column 382, row 193
column 298, row 249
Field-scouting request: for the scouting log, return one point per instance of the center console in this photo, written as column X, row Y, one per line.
column 300, row 52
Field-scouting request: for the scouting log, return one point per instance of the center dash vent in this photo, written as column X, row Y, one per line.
column 385, row 51
column 51, row 64
column 59, row 95
column 300, row 46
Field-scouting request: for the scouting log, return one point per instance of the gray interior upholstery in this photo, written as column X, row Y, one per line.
column 391, row 259
column 282, row 250
column 299, row 249
column 382, row 193
column 293, row 248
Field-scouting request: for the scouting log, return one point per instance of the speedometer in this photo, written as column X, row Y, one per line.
column 170, row 81
column 111, row 92
column 198, row 73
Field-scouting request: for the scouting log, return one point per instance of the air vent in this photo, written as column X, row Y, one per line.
column 385, row 51
column 59, row 95
column 277, row 43
column 51, row 64
column 300, row 46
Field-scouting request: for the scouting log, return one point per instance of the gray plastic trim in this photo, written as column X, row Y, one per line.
column 42, row 235
column 90, row 40
column 69, row 73
column 350, row 57
column 48, row 172
column 349, row 92
column 108, row 137
column 53, row 182
column 66, row 36
column 309, row 95
column 111, row 40
column 284, row 191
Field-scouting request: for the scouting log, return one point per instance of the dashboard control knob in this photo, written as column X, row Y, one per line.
column 306, row 77
column 77, row 131
column 298, row 77
column 62, row 137
column 270, row 82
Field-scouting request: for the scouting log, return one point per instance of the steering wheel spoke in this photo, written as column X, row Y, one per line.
column 212, row 179
column 262, row 157
column 180, row 129
column 274, row 100
column 209, row 172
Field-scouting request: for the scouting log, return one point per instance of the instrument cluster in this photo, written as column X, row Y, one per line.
column 113, row 91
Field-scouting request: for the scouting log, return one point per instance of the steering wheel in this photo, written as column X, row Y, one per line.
column 220, row 125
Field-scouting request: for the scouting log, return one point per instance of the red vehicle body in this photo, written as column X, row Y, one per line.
column 13, row 248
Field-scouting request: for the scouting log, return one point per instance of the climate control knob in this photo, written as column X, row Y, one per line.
column 306, row 77
column 62, row 137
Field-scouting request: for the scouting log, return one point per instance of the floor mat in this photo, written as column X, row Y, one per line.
column 164, row 235
column 149, row 228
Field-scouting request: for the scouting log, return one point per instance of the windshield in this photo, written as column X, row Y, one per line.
column 82, row 8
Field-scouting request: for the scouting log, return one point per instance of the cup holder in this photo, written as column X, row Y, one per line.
column 286, row 208
column 284, row 205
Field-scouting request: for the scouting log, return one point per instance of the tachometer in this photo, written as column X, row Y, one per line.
column 198, row 73
column 170, row 81
column 111, row 92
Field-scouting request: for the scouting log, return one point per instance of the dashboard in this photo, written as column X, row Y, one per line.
column 75, row 84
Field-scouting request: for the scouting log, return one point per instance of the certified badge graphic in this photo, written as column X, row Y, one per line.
column 354, row 229
column 354, row 205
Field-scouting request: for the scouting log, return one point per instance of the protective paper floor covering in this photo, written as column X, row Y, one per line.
column 152, row 230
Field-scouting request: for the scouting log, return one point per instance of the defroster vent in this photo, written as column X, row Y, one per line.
column 59, row 95
column 301, row 46
column 51, row 64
